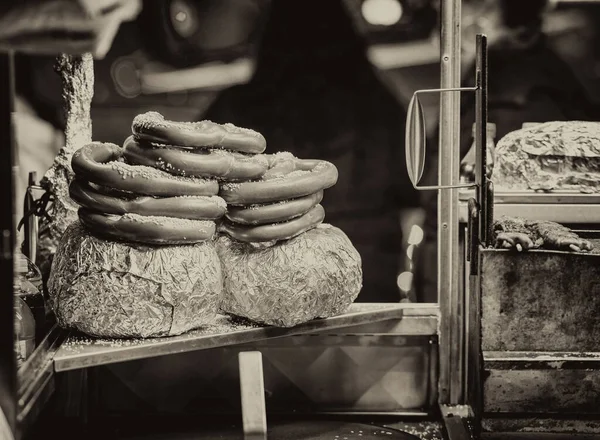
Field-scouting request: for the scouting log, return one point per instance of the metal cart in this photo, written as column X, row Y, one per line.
column 428, row 335
column 431, row 372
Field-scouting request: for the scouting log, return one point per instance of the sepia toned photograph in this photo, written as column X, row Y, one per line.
column 300, row 219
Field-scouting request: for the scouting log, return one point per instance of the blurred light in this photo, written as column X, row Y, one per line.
column 183, row 18
column 405, row 281
column 124, row 74
column 410, row 250
column 416, row 235
column 382, row 12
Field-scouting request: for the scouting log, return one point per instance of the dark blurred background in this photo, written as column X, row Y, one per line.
column 179, row 55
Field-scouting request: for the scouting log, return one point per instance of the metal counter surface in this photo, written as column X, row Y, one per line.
column 82, row 352
column 566, row 213
column 556, row 206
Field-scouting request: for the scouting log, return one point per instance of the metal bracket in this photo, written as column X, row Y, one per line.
column 454, row 335
column 457, row 422
column 416, row 139
column 415, row 142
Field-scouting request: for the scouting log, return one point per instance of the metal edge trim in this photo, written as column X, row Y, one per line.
column 73, row 361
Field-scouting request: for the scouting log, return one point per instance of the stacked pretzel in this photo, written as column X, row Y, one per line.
column 179, row 183
column 270, row 197
column 162, row 186
column 282, row 204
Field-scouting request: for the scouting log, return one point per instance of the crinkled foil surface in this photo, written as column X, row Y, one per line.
column 110, row 289
column 519, row 157
column 315, row 275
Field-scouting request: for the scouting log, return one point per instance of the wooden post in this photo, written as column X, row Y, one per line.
column 252, row 387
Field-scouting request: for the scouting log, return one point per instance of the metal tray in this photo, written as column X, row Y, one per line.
column 535, row 197
column 82, row 352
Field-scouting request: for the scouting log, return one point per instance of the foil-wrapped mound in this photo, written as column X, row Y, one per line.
column 317, row 274
column 558, row 155
column 112, row 289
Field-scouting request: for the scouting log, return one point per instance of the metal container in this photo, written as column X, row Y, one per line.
column 540, row 300
column 540, row 326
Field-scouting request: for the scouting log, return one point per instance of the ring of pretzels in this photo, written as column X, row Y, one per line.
column 147, row 229
column 188, row 207
column 153, row 127
column 210, row 163
column 273, row 212
column 275, row 231
column 100, row 163
column 297, row 178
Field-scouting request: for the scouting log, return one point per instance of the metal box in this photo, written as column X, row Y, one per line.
column 540, row 332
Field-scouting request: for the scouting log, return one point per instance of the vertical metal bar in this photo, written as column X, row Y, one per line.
column 481, row 107
column 449, row 296
column 31, row 222
column 433, row 387
column 480, row 232
column 8, row 367
column 475, row 360
column 465, row 244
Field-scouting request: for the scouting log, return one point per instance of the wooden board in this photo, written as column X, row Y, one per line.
column 252, row 389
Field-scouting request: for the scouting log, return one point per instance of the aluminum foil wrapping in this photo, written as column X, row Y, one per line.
column 111, row 289
column 315, row 275
column 560, row 155
column 77, row 75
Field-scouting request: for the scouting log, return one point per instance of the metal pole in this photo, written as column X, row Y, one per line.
column 449, row 295
column 8, row 368
column 481, row 118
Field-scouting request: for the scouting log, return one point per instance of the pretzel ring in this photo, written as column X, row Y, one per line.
column 274, row 212
column 280, row 164
column 275, row 231
column 100, row 163
column 199, row 163
column 190, row 207
column 147, row 230
column 308, row 177
column 153, row 127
